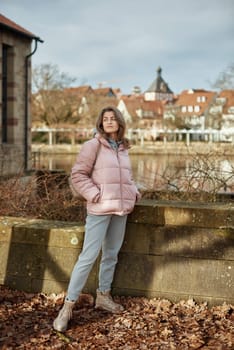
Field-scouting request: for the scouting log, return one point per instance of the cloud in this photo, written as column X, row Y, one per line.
column 127, row 40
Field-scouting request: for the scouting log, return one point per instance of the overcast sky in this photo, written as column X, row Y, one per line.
column 122, row 43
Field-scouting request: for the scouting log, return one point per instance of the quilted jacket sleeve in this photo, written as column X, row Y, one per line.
column 82, row 170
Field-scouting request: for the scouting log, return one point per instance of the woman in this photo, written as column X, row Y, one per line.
column 102, row 175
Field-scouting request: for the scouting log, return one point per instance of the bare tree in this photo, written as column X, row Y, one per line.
column 51, row 105
column 175, row 120
column 225, row 80
column 48, row 77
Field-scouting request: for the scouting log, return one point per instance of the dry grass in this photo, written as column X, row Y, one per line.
column 43, row 195
column 46, row 195
column 206, row 178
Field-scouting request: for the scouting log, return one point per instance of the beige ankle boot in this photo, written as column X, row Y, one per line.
column 104, row 301
column 64, row 316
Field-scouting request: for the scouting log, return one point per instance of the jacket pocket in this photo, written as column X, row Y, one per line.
column 129, row 192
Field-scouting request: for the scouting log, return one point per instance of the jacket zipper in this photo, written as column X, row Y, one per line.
column 120, row 176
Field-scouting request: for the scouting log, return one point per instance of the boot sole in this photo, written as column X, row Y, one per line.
column 58, row 329
column 109, row 310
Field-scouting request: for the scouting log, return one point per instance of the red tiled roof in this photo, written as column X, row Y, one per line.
column 132, row 106
column 193, row 98
column 9, row 24
column 80, row 91
column 103, row 91
column 134, row 103
column 133, row 96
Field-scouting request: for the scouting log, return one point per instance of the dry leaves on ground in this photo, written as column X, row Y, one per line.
column 26, row 319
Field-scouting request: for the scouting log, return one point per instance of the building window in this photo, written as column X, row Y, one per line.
column 150, row 96
column 190, row 108
column 221, row 100
column 196, row 108
column 183, row 109
column 201, row 99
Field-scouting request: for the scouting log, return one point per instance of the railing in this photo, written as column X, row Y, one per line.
column 208, row 135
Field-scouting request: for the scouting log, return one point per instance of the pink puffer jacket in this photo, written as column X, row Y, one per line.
column 110, row 189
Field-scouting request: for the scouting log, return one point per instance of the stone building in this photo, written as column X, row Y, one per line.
column 15, row 90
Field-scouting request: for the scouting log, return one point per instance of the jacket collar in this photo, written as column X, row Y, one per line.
column 109, row 143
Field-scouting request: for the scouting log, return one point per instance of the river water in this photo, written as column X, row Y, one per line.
column 156, row 172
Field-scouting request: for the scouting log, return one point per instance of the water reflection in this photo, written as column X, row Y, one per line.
column 165, row 171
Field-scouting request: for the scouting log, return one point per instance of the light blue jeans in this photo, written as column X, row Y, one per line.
column 102, row 232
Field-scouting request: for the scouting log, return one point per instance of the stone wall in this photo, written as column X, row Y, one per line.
column 12, row 151
column 171, row 250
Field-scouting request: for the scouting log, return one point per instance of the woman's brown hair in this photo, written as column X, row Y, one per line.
column 120, row 120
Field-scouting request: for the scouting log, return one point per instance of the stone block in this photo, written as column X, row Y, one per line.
column 6, row 225
column 26, row 260
column 138, row 271
column 138, row 237
column 183, row 214
column 4, row 253
column 199, row 215
column 147, row 212
column 45, row 232
column 60, row 262
column 197, row 277
column 48, row 286
column 151, row 274
column 192, row 242
column 19, row 282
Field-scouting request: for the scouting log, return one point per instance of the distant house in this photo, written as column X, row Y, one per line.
column 84, row 94
column 226, row 98
column 140, row 113
column 128, row 106
column 221, row 113
column 15, row 80
column 191, row 107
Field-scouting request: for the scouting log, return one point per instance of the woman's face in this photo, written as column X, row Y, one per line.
column 110, row 124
